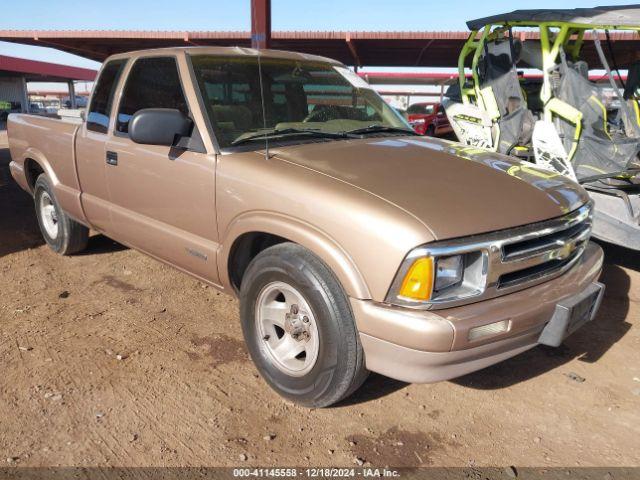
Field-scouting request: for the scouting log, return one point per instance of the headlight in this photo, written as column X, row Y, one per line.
column 449, row 272
column 430, row 276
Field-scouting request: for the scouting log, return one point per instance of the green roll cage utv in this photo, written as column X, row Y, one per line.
column 560, row 121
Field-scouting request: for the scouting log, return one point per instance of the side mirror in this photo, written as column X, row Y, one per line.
column 158, row 126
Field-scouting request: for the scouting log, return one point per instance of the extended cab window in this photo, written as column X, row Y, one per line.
column 102, row 100
column 153, row 82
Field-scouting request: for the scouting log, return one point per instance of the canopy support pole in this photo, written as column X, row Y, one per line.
column 260, row 24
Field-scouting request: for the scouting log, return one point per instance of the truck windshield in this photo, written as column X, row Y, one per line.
column 312, row 97
column 421, row 109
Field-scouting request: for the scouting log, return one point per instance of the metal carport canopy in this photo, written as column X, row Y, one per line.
column 364, row 48
column 37, row 71
column 376, row 49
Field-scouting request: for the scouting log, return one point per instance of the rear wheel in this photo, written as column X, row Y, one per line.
column 299, row 327
column 64, row 235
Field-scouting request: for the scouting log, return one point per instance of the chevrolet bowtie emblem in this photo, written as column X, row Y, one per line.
column 565, row 250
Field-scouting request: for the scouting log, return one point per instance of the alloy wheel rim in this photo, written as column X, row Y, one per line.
column 287, row 329
column 49, row 215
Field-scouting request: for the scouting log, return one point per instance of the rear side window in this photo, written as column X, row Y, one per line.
column 102, row 99
column 152, row 83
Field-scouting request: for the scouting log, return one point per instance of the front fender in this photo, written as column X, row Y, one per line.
column 301, row 233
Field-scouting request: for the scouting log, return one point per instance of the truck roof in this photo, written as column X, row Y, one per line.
column 230, row 51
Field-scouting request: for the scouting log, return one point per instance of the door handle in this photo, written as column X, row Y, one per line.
column 112, row 158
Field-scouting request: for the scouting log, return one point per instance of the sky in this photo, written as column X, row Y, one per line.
column 341, row 15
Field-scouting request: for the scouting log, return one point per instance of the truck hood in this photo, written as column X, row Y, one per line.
column 453, row 190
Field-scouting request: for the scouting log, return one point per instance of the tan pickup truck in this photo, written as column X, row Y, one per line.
column 352, row 244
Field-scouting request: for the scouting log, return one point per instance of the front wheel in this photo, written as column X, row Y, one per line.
column 63, row 234
column 299, row 328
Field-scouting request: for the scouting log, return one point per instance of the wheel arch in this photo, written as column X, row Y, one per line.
column 251, row 233
column 36, row 163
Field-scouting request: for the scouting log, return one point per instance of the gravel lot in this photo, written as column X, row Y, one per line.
column 112, row 359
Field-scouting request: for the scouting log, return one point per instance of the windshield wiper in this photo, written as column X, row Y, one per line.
column 378, row 129
column 288, row 132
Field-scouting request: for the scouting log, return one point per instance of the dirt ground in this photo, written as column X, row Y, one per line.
column 111, row 359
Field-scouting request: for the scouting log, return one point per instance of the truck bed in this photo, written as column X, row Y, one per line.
column 51, row 143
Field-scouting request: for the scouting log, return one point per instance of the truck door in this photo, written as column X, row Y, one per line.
column 162, row 198
column 90, row 147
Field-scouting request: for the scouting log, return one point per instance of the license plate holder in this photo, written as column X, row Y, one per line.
column 571, row 314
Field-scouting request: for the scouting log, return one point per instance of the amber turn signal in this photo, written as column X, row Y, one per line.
column 418, row 282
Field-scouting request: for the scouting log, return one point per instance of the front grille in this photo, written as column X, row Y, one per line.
column 543, row 250
column 551, row 252
column 519, row 250
column 534, row 273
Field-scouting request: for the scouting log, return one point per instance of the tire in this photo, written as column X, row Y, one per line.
column 338, row 369
column 63, row 235
column 431, row 131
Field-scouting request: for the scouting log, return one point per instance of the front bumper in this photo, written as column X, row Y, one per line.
column 429, row 346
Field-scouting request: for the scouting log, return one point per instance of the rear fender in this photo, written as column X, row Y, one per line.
column 35, row 155
column 68, row 198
